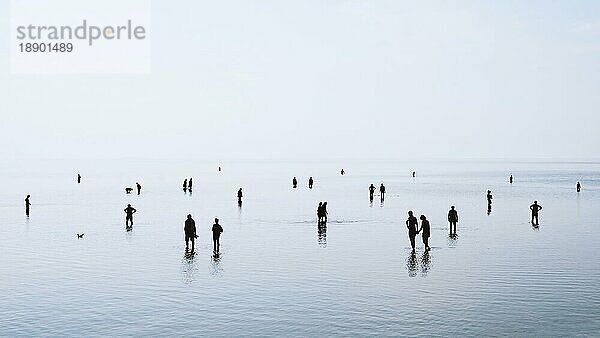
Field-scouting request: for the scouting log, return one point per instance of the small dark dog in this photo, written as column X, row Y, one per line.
column 79, row 235
column 128, row 190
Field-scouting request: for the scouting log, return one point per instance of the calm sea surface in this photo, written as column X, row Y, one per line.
column 278, row 273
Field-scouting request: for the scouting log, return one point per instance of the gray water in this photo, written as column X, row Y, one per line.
column 277, row 275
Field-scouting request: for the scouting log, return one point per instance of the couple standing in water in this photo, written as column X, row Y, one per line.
column 412, row 224
column 322, row 212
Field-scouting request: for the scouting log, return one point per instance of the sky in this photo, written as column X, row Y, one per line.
column 327, row 79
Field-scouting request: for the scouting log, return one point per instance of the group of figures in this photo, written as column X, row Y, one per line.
column 188, row 185
column 189, row 228
column 412, row 223
column 295, row 182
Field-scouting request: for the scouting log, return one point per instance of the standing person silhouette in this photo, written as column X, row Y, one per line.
column 190, row 184
column 412, row 224
column 371, row 192
column 189, row 228
column 310, row 182
column 578, row 187
column 426, row 228
column 535, row 208
column 452, row 219
column 216, row 230
column 342, row 172
column 320, row 212
column 414, row 173
column 129, row 211
column 185, row 185
column 324, row 210
column 139, row 187
column 294, row 182
column 78, row 178
column 382, row 191
column 239, row 195
column 510, row 179
column 27, row 205
column 489, row 197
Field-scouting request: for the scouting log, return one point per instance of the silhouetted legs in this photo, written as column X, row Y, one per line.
column 187, row 240
column 412, row 241
column 534, row 216
column 216, row 244
column 452, row 228
column 128, row 220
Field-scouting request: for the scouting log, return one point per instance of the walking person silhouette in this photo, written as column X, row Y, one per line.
column 189, row 228
column 412, row 224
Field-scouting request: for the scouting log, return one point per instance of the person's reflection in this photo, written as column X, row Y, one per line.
column 322, row 234
column 188, row 267
column 535, row 227
column 216, row 268
column 411, row 264
column 452, row 240
column 425, row 263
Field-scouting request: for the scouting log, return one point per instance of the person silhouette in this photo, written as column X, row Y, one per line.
column 129, row 211
column 216, row 230
column 382, row 191
column 190, row 184
column 535, row 208
column 139, row 187
column 219, row 168
column 78, row 178
column 310, row 182
column 414, row 173
column 510, row 179
column 27, row 205
column 239, row 195
column 189, row 228
column 320, row 212
column 426, row 228
column 324, row 209
column 342, row 172
column 489, row 198
column 185, row 185
column 578, row 187
column 412, row 224
column 294, row 182
column 452, row 219
column 371, row 192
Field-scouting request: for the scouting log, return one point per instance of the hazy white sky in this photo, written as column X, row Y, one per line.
column 318, row 79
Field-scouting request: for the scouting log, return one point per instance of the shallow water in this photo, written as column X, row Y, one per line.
column 278, row 274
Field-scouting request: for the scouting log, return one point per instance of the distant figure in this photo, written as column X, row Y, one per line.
column 342, row 172
column 371, row 192
column 219, row 168
column 128, row 190
column 453, row 219
column 412, row 224
column 190, row 184
column 510, row 179
column 129, row 211
column 414, row 173
column 382, row 191
column 578, row 187
column 310, row 182
column 216, row 230
column 320, row 212
column 425, row 227
column 139, row 187
column 535, row 208
column 27, row 204
column 489, row 197
column 78, row 178
column 324, row 208
column 185, row 185
column 294, row 182
column 190, row 231
column 79, row 235
column 240, row 196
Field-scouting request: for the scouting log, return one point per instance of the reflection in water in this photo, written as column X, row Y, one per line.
column 535, row 227
column 322, row 234
column 188, row 267
column 414, row 265
column 452, row 240
column 216, row 268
